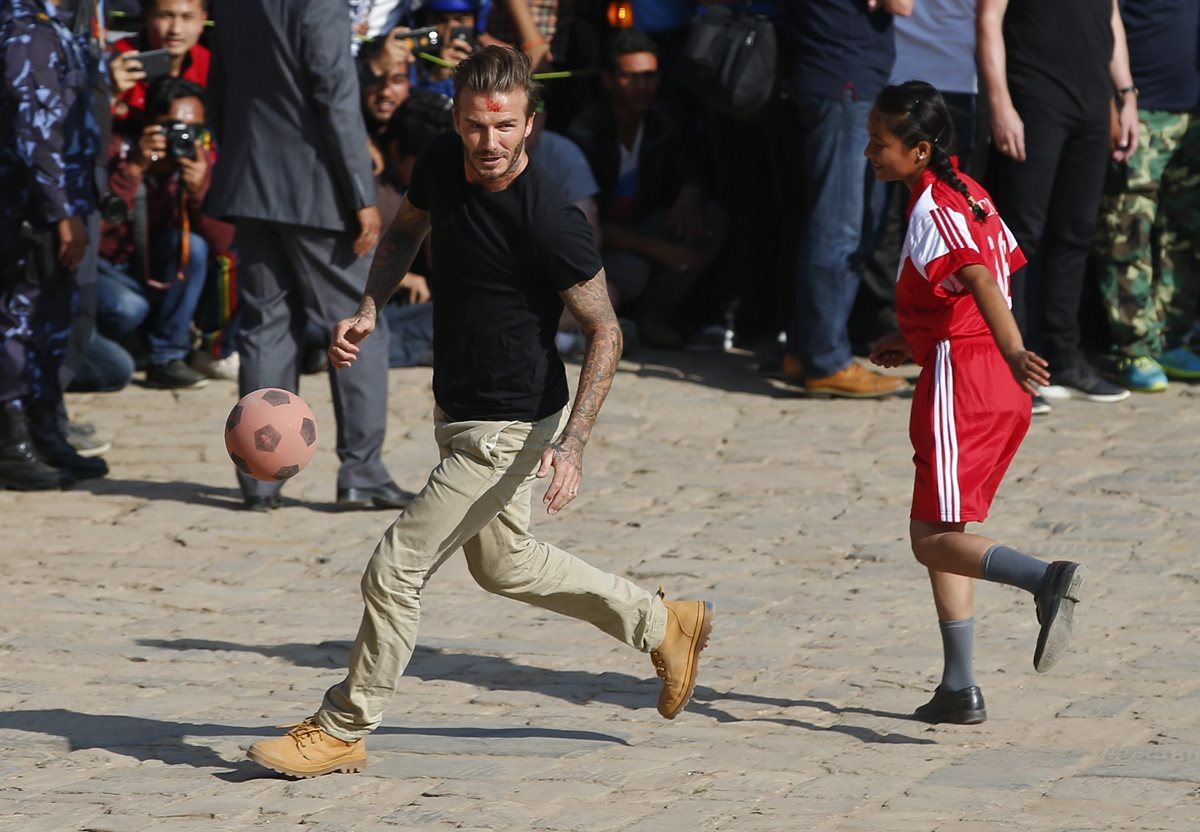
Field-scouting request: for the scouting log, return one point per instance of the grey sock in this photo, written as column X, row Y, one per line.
column 958, row 648
column 1005, row 565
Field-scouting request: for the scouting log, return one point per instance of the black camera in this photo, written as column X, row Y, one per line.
column 181, row 140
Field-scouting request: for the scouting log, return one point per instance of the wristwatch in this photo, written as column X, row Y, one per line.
column 1130, row 89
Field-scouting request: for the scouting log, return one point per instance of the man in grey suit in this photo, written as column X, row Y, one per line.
column 295, row 175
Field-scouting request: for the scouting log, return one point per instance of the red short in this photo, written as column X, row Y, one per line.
column 968, row 418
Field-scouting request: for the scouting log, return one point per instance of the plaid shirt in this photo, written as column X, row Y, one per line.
column 545, row 17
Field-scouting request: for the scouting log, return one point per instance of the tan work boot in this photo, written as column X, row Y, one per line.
column 854, row 382
column 307, row 751
column 689, row 624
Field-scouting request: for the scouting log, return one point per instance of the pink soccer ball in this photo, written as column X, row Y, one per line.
column 271, row 434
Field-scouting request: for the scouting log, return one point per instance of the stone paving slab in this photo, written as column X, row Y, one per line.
column 150, row 631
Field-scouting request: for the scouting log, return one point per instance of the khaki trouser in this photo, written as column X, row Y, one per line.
column 478, row 498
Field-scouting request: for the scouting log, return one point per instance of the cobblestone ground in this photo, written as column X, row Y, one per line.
column 149, row 632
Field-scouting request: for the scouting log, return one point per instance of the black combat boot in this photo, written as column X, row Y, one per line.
column 21, row 469
column 53, row 446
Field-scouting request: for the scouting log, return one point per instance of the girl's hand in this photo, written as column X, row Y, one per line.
column 891, row 351
column 1029, row 369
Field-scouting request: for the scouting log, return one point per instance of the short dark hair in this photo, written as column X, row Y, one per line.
column 629, row 42
column 422, row 117
column 497, row 69
column 150, row 5
column 166, row 90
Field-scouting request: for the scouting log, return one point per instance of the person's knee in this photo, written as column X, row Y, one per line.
column 383, row 583
column 497, row 563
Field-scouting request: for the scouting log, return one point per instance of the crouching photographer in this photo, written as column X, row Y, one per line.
column 153, row 260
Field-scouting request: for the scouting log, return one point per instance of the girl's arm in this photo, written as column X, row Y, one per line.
column 1028, row 368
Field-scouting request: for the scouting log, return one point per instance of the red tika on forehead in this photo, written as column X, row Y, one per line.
column 493, row 105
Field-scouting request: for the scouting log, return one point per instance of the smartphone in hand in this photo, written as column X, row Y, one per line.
column 155, row 62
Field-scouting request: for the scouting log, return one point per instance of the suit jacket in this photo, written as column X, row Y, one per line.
column 283, row 101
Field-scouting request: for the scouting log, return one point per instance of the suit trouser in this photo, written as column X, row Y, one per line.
column 288, row 275
column 478, row 498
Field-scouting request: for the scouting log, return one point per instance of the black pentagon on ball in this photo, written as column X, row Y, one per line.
column 267, row 438
column 240, row 463
column 308, row 431
column 287, row 472
column 276, row 397
column 235, row 416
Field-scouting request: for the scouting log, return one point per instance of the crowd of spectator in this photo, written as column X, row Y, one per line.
column 762, row 231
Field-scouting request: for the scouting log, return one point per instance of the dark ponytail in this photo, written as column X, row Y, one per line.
column 916, row 112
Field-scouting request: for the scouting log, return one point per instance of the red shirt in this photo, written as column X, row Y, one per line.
column 943, row 237
column 129, row 109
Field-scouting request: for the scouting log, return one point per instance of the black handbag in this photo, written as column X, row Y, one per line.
column 729, row 59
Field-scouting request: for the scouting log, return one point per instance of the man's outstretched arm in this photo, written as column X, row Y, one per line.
column 393, row 258
column 589, row 303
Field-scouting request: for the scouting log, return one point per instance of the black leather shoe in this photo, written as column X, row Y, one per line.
column 1055, row 603
column 261, row 504
column 388, row 495
column 960, row 707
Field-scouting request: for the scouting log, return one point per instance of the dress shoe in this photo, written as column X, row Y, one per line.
column 261, row 503
column 959, row 707
column 1055, row 603
column 307, row 751
column 854, row 382
column 388, row 495
column 676, row 660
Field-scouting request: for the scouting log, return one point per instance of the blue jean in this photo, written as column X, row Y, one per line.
column 829, row 256
column 125, row 301
column 106, row 368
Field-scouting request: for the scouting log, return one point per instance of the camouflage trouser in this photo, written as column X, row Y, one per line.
column 1148, row 237
column 36, row 307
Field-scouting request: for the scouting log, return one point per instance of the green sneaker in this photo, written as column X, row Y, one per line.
column 1181, row 363
column 1141, row 375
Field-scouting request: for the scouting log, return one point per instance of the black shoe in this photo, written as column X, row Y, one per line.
column 174, row 375
column 21, row 469
column 959, row 707
column 388, row 495
column 54, row 448
column 261, row 504
column 1081, row 380
column 1055, row 603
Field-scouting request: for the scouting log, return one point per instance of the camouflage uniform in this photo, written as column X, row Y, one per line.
column 48, row 142
column 1149, row 236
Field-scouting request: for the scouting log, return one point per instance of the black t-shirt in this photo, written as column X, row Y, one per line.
column 499, row 261
column 1163, row 38
column 1058, row 52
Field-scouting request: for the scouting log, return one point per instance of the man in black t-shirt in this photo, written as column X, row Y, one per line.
column 508, row 252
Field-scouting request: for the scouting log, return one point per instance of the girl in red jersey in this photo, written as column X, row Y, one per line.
column 971, row 406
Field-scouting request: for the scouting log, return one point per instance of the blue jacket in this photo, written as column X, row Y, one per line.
column 48, row 133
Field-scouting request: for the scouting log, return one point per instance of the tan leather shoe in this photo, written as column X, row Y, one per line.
column 854, row 382
column 689, row 624
column 307, row 751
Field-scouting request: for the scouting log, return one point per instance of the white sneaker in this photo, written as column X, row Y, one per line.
column 225, row 369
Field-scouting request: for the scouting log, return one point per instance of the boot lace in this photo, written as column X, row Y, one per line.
column 305, row 732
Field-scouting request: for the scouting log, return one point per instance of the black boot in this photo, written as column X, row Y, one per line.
column 21, row 469
column 56, row 450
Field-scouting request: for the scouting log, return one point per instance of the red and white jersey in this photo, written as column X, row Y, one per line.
column 943, row 237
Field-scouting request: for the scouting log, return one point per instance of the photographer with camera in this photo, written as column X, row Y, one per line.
column 458, row 23
column 153, row 261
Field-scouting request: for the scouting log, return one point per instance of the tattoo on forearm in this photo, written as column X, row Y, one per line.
column 395, row 254
column 590, row 305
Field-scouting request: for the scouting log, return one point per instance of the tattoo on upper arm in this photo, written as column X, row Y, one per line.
column 589, row 303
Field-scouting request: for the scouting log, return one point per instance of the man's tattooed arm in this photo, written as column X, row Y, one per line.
column 394, row 256
column 589, row 303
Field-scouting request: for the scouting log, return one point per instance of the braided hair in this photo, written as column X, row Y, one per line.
column 916, row 112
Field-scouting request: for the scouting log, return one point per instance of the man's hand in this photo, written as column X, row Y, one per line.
column 396, row 51
column 891, row 351
column 1029, row 369
column 1128, row 129
column 687, row 218
column 349, row 332
column 126, row 71
column 72, row 241
column 150, row 147
column 192, row 171
column 456, row 51
column 566, row 458
column 369, row 224
column 417, row 288
column 680, row 259
column 1008, row 133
